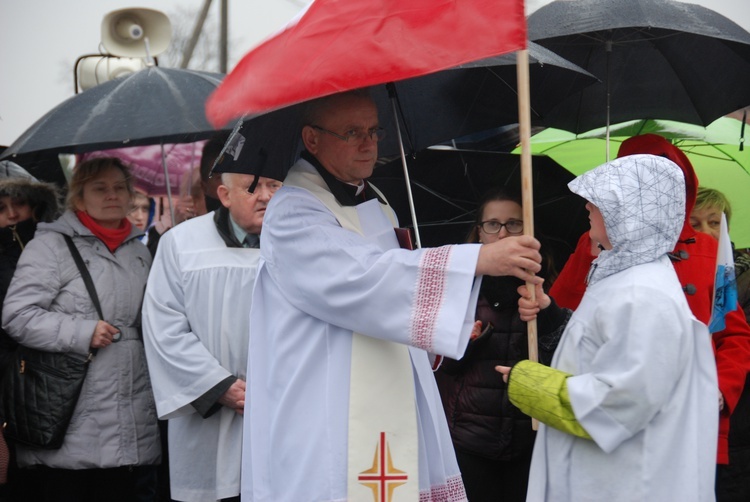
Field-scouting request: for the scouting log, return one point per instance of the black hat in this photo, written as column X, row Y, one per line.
column 260, row 145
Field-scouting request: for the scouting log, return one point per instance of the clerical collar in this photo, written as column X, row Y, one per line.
column 346, row 194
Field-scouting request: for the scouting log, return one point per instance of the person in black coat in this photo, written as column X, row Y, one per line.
column 492, row 438
column 24, row 202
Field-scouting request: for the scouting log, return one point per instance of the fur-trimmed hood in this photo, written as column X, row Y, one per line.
column 43, row 197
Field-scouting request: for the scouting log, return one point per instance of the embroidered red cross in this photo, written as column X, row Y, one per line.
column 382, row 478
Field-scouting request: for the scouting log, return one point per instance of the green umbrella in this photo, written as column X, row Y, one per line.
column 713, row 151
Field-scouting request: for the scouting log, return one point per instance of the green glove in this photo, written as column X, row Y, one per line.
column 541, row 392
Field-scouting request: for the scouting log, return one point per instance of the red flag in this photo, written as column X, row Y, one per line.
column 339, row 45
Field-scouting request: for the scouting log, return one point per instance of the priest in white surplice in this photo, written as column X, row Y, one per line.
column 195, row 329
column 341, row 402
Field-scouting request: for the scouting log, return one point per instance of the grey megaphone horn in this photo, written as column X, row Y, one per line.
column 136, row 33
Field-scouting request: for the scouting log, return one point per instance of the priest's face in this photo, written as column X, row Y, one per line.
column 247, row 209
column 344, row 137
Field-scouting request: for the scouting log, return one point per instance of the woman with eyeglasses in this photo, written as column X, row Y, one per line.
column 492, row 438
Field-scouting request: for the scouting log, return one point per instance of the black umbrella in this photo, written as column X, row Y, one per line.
column 657, row 59
column 431, row 109
column 152, row 106
column 447, row 186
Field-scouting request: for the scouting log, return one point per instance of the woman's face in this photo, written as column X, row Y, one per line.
column 706, row 220
column 499, row 211
column 106, row 198
column 598, row 232
column 14, row 210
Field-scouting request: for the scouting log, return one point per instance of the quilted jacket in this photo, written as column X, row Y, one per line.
column 47, row 307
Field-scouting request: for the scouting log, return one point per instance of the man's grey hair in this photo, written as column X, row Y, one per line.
column 227, row 179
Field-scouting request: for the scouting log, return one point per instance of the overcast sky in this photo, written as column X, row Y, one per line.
column 40, row 41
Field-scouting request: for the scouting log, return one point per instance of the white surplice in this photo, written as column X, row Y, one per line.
column 317, row 284
column 195, row 321
column 644, row 383
column 649, row 402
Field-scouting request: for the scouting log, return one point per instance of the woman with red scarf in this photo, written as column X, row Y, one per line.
column 694, row 260
column 111, row 446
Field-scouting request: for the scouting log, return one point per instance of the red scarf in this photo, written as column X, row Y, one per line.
column 112, row 238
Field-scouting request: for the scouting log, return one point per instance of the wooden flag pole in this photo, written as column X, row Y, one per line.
column 527, row 188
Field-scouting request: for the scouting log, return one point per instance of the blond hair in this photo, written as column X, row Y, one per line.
column 710, row 197
column 89, row 170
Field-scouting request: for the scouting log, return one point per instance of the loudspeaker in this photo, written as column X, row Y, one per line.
column 94, row 70
column 125, row 31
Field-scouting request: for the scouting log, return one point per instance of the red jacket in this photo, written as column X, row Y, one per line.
column 694, row 260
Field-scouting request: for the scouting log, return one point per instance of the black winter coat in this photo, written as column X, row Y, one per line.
column 481, row 419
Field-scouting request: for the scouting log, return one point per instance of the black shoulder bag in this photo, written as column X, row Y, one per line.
column 40, row 390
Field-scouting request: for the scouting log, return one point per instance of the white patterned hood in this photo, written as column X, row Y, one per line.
column 642, row 201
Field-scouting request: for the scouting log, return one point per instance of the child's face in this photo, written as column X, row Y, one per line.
column 598, row 232
column 138, row 214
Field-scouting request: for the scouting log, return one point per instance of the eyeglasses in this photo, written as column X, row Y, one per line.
column 356, row 136
column 513, row 227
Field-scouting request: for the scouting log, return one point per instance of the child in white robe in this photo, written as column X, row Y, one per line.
column 628, row 408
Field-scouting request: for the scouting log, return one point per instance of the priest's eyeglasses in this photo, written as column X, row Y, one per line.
column 513, row 227
column 356, row 136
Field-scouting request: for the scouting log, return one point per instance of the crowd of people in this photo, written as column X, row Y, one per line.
column 285, row 345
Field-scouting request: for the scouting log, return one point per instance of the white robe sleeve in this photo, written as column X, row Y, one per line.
column 181, row 367
column 645, row 348
column 424, row 298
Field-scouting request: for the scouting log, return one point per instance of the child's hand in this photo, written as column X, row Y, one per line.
column 528, row 308
column 476, row 330
column 505, row 370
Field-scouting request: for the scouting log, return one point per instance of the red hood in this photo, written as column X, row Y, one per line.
column 657, row 145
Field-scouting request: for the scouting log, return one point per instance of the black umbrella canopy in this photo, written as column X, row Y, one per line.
column 657, row 59
column 431, row 109
column 448, row 184
column 151, row 106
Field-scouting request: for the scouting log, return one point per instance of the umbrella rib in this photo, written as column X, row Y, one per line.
column 512, row 89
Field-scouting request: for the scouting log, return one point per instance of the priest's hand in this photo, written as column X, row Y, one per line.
column 528, row 308
column 234, row 397
column 516, row 256
column 103, row 336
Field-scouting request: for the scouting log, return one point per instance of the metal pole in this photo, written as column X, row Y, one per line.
column 608, row 50
column 166, row 180
column 392, row 95
column 190, row 47
column 223, row 52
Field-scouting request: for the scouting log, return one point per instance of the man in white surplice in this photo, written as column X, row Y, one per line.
column 341, row 403
column 195, row 330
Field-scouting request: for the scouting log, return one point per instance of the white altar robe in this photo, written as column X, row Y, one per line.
column 195, row 322
column 644, row 388
column 300, row 348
